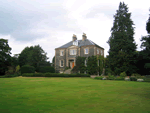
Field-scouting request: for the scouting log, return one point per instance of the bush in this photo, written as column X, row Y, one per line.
column 119, row 78
column 46, row 69
column 67, row 68
column 123, row 74
column 133, row 78
column 54, row 75
column 13, row 75
column 136, row 75
column 98, row 78
column 110, row 77
column 27, row 69
column 9, row 72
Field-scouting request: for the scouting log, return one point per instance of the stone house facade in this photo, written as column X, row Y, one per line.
column 65, row 56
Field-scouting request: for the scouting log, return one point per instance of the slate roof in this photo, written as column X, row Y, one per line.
column 80, row 43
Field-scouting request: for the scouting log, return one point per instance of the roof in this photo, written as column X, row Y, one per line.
column 80, row 43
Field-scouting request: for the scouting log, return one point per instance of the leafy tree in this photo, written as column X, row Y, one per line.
column 92, row 66
column 122, row 46
column 80, row 65
column 14, row 59
column 5, row 58
column 53, row 61
column 144, row 56
column 34, row 56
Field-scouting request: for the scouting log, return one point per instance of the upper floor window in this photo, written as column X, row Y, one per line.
column 61, row 53
column 86, row 51
column 73, row 52
column 97, row 51
column 75, row 43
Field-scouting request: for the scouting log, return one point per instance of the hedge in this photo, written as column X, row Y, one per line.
column 27, row 69
column 54, row 75
column 46, row 69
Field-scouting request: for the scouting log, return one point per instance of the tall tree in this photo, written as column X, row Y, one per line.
column 5, row 58
column 145, row 53
column 34, row 56
column 122, row 46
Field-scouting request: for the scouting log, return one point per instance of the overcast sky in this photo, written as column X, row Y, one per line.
column 52, row 23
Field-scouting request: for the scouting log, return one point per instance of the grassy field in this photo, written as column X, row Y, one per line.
column 73, row 95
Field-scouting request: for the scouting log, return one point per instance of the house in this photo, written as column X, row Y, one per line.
column 65, row 55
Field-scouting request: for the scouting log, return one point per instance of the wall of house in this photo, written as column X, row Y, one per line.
column 58, row 58
column 91, row 51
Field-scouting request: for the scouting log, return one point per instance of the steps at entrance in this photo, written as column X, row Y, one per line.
column 68, row 71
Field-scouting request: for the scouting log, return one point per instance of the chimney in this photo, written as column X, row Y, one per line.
column 84, row 37
column 74, row 37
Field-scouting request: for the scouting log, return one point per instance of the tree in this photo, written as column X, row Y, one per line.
column 5, row 58
column 145, row 53
column 33, row 56
column 121, row 42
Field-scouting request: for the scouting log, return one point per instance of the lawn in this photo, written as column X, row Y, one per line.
column 73, row 95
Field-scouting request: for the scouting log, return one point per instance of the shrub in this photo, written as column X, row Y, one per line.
column 67, row 68
column 17, row 69
column 119, row 78
column 136, row 75
column 110, row 77
column 98, row 78
column 13, row 75
column 46, row 69
column 133, row 78
column 27, row 74
column 123, row 74
column 9, row 72
column 27, row 69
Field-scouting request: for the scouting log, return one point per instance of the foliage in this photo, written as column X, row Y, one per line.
column 54, row 75
column 143, row 58
column 80, row 65
column 66, row 68
column 133, row 78
column 17, row 69
column 111, row 77
column 92, row 66
column 27, row 69
column 46, row 69
column 9, row 72
column 34, row 56
column 53, row 61
column 136, row 75
column 100, row 63
column 5, row 58
column 123, row 74
column 11, row 75
column 75, row 69
column 122, row 46
column 119, row 78
column 98, row 78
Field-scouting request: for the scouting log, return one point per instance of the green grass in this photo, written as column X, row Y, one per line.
column 73, row 95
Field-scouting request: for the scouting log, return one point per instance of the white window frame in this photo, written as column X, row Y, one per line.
column 97, row 51
column 85, row 51
column 73, row 51
column 61, row 63
column 75, row 43
column 61, row 51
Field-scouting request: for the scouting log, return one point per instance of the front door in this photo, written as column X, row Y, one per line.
column 72, row 64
